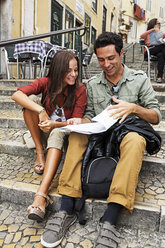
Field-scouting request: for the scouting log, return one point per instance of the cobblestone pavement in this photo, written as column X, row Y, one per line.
column 17, row 231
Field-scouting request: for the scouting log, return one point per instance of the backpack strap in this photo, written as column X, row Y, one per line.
column 80, row 209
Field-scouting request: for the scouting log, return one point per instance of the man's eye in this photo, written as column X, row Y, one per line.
column 101, row 60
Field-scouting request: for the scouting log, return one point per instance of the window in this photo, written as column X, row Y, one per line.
column 104, row 19
column 93, row 35
column 148, row 5
column 161, row 13
column 69, row 22
column 88, row 24
column 94, row 5
column 56, row 22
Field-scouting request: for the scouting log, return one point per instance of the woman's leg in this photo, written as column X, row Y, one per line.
column 159, row 52
column 51, row 165
column 54, row 145
column 31, row 119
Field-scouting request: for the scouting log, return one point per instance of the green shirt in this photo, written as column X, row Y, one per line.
column 134, row 87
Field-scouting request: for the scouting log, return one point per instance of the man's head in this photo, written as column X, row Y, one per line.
column 109, row 50
column 109, row 38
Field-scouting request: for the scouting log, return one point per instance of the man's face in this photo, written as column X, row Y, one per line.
column 109, row 60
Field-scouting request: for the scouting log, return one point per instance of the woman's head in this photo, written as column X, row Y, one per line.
column 152, row 23
column 63, row 72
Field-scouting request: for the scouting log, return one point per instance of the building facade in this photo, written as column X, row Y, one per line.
column 20, row 18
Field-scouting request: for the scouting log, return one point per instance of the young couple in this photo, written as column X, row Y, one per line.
column 135, row 97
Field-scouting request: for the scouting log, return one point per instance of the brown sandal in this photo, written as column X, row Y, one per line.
column 36, row 212
column 39, row 167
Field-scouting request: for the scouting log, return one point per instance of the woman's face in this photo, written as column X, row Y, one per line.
column 72, row 73
column 158, row 24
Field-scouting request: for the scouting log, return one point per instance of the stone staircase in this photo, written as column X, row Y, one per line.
column 18, row 182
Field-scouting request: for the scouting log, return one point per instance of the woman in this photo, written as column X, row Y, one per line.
column 63, row 97
column 153, row 38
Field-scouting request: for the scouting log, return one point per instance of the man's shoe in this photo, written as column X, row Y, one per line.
column 107, row 237
column 56, row 228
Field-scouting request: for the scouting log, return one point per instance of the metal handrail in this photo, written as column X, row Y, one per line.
column 132, row 44
column 44, row 35
column 40, row 36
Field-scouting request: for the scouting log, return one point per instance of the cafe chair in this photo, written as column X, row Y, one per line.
column 10, row 60
column 151, row 60
column 48, row 58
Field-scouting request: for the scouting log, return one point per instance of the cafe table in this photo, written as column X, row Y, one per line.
column 35, row 50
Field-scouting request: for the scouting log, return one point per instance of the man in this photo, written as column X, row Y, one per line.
column 135, row 96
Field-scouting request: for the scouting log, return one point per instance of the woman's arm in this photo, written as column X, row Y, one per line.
column 23, row 100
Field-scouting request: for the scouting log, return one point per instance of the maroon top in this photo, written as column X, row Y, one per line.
column 40, row 86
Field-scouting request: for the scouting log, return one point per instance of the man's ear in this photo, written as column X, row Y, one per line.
column 122, row 51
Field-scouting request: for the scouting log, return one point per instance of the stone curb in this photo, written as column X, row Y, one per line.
column 144, row 216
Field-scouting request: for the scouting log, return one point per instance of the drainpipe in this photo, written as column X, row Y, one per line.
column 35, row 17
column 22, row 18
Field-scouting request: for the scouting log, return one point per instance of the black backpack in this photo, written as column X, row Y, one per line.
column 96, row 180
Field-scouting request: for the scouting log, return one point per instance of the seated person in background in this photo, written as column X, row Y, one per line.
column 135, row 97
column 153, row 38
column 63, row 97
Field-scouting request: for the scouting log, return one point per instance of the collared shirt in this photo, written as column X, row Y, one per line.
column 134, row 87
column 40, row 86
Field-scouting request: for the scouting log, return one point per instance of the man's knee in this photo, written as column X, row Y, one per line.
column 134, row 139
column 78, row 139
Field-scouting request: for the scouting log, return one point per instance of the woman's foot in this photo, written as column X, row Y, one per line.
column 36, row 211
column 159, row 80
column 40, row 162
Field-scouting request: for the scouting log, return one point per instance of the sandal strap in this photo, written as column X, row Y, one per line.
column 45, row 196
column 37, row 206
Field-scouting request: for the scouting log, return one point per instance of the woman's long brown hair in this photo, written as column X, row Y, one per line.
column 152, row 23
column 58, row 69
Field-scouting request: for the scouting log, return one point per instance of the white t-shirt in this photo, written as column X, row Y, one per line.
column 58, row 114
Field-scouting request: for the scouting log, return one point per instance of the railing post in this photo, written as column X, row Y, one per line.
column 80, row 56
column 80, row 53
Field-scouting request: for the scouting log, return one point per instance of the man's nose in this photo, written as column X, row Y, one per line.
column 106, row 63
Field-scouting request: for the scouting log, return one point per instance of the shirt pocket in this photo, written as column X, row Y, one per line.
column 100, row 104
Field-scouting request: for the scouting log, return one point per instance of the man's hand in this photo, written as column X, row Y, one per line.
column 121, row 109
column 74, row 121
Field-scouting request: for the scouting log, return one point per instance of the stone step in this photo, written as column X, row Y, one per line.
column 19, row 183
column 6, row 103
column 11, row 142
column 7, row 91
column 14, row 82
column 14, row 119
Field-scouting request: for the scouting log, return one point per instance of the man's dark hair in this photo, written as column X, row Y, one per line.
column 109, row 38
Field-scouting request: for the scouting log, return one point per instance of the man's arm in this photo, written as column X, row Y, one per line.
column 123, row 109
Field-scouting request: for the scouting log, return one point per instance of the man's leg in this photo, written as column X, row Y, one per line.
column 69, row 188
column 122, row 190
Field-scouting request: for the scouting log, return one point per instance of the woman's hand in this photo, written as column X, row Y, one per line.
column 157, row 28
column 47, row 126
column 43, row 116
column 122, row 109
column 74, row 121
